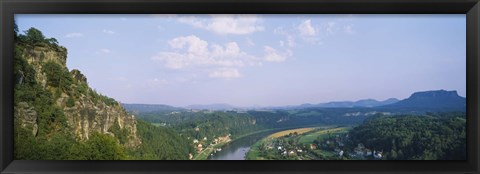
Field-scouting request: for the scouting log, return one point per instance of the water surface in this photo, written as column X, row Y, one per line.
column 237, row 149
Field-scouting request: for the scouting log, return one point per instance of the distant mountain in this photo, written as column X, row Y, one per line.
column 365, row 103
column 433, row 100
column 359, row 103
column 216, row 106
column 439, row 100
column 390, row 101
column 136, row 108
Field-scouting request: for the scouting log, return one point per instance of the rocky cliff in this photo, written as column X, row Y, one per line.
column 85, row 110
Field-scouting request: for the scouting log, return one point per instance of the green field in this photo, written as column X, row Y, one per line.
column 286, row 132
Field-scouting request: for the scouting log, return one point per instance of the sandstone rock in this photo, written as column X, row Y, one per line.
column 77, row 75
column 88, row 115
column 27, row 116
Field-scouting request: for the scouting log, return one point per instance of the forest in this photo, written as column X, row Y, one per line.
column 430, row 136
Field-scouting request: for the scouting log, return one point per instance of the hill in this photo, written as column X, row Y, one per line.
column 216, row 106
column 359, row 103
column 137, row 108
column 436, row 100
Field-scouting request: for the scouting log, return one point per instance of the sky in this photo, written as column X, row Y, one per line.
column 260, row 60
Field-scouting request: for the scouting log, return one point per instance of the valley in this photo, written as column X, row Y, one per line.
column 58, row 116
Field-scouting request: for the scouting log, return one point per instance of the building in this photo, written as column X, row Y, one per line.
column 377, row 155
column 369, row 152
column 199, row 147
column 291, row 153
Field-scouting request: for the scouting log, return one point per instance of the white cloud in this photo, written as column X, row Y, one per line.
column 219, row 61
column 225, row 24
column 289, row 38
column 196, row 46
column 227, row 73
column 310, row 33
column 193, row 51
column 108, row 31
column 306, row 28
column 72, row 35
column 272, row 55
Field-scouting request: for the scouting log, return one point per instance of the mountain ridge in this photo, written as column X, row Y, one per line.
column 434, row 99
column 423, row 99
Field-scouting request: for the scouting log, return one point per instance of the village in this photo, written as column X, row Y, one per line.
column 204, row 149
column 314, row 145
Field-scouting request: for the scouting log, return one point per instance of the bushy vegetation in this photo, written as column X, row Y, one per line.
column 160, row 143
column 34, row 37
column 198, row 125
column 96, row 97
column 410, row 137
column 98, row 147
column 220, row 123
column 57, row 76
column 62, row 146
column 50, row 118
column 432, row 136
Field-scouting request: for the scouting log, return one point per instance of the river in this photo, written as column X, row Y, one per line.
column 237, row 149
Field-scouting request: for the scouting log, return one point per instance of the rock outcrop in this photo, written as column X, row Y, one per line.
column 27, row 117
column 85, row 112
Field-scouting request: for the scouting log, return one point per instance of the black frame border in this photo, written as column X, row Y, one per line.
column 10, row 7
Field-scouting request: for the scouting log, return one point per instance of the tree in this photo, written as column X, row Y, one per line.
column 52, row 41
column 98, row 147
column 34, row 36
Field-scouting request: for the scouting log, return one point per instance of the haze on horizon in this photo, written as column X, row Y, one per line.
column 265, row 60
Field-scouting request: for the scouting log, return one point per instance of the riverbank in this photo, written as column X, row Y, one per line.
column 270, row 148
column 205, row 154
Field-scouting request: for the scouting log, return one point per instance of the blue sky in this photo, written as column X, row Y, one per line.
column 266, row 60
